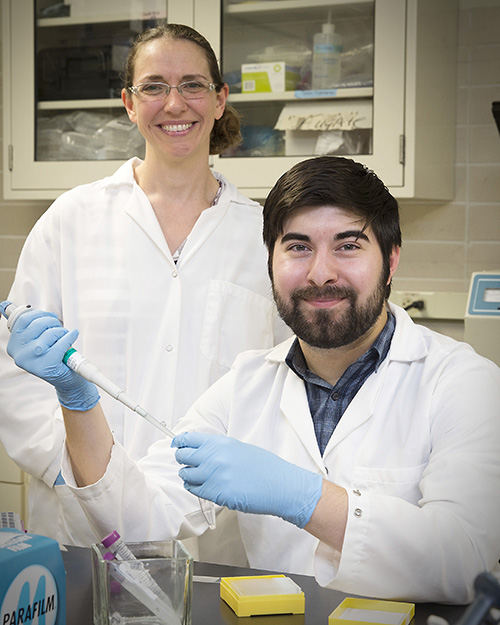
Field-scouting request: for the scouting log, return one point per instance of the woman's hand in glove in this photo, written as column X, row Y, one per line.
column 37, row 344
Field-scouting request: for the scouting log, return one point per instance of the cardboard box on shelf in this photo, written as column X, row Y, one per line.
column 268, row 77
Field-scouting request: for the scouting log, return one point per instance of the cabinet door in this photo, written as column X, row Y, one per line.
column 65, row 123
column 361, row 116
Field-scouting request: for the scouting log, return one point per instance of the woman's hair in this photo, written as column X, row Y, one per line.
column 339, row 182
column 226, row 130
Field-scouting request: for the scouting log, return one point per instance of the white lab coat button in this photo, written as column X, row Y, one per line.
column 358, row 512
column 169, row 348
column 174, row 274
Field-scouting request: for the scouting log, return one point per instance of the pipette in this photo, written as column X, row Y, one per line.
column 90, row 372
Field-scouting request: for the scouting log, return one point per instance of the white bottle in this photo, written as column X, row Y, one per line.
column 327, row 46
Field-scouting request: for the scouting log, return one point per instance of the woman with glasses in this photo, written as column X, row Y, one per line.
column 161, row 266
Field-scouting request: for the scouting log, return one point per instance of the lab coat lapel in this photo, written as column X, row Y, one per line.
column 361, row 408
column 358, row 412
column 140, row 210
column 205, row 225
column 295, row 407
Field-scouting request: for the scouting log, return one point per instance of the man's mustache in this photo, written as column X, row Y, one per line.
column 326, row 292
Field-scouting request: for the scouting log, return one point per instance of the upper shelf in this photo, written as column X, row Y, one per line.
column 102, row 103
column 314, row 10
column 125, row 16
column 291, row 5
column 328, row 94
column 284, row 96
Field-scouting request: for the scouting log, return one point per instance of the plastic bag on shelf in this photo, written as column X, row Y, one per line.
column 344, row 142
column 87, row 136
column 87, row 122
column 293, row 55
column 357, row 66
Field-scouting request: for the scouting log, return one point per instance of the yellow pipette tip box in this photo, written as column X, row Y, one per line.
column 262, row 594
column 353, row 611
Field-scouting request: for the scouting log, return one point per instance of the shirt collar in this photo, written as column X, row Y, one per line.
column 375, row 354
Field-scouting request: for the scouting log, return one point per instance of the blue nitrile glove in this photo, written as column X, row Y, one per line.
column 37, row 344
column 246, row 478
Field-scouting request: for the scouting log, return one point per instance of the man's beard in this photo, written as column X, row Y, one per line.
column 330, row 328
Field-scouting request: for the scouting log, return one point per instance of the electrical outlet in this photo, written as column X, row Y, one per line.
column 409, row 298
column 437, row 304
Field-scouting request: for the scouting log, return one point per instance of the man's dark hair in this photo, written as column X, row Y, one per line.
column 334, row 181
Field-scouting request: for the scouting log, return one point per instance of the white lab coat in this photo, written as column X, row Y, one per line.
column 164, row 332
column 418, row 450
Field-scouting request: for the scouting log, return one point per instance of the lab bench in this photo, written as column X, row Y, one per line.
column 209, row 609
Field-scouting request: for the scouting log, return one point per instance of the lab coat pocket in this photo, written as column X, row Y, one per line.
column 236, row 319
column 397, row 482
column 72, row 521
column 56, row 512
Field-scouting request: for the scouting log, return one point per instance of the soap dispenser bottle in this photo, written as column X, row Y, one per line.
column 327, row 46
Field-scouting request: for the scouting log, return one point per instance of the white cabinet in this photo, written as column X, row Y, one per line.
column 397, row 117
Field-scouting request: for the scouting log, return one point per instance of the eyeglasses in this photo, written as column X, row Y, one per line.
column 190, row 89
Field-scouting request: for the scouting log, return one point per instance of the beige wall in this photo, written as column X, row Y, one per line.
column 16, row 218
column 443, row 243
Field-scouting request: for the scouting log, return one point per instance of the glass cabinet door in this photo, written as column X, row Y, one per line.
column 80, row 53
column 300, row 74
column 68, row 122
column 308, row 78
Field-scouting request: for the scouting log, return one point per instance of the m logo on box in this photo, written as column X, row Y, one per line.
column 31, row 598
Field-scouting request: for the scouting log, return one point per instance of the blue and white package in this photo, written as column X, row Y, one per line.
column 33, row 580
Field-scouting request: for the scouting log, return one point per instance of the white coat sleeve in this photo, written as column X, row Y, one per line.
column 31, row 426
column 146, row 500
column 432, row 550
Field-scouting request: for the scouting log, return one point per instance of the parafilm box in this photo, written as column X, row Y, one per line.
column 268, row 77
column 33, row 581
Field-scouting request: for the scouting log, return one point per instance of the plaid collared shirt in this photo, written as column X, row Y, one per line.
column 328, row 403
